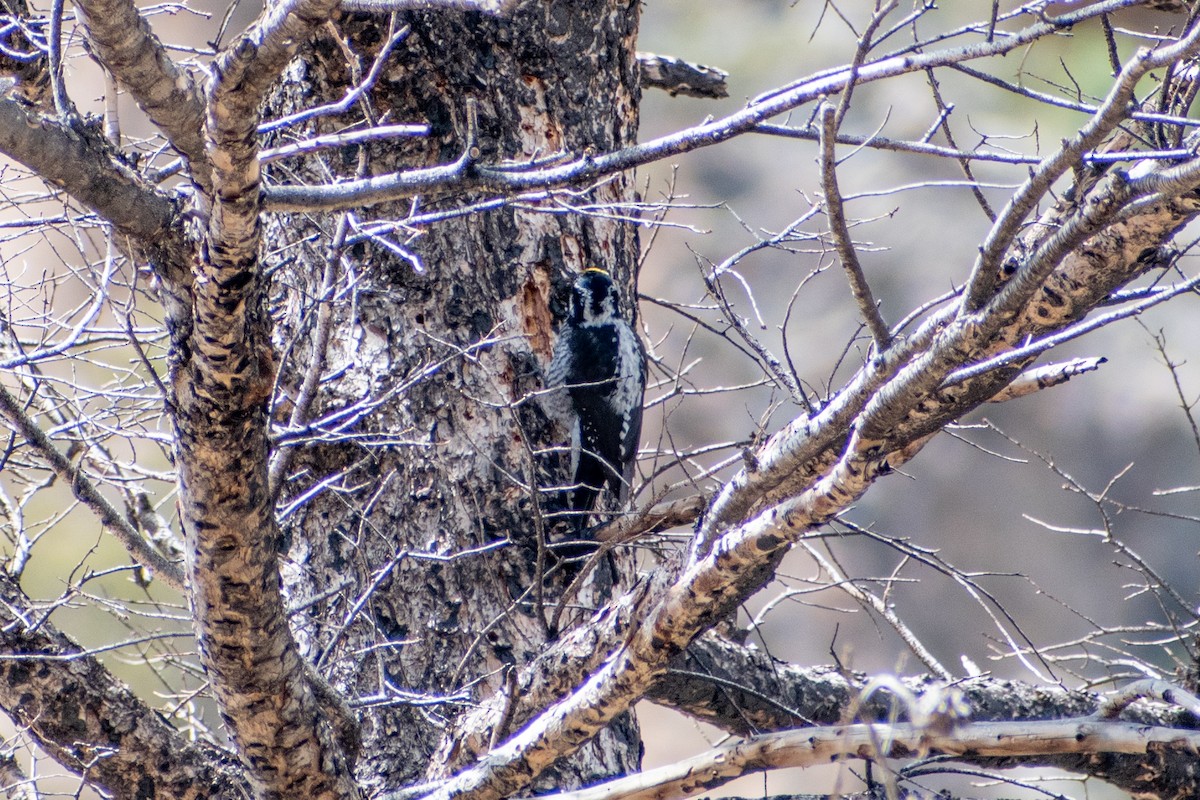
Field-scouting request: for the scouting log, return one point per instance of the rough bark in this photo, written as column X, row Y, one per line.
column 71, row 156
column 121, row 39
column 990, row 741
column 90, row 721
column 449, row 355
column 413, row 539
column 746, row 692
column 899, row 402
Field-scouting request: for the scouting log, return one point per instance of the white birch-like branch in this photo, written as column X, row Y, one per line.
column 85, row 166
column 810, row 747
column 896, row 404
column 1036, row 379
column 456, row 178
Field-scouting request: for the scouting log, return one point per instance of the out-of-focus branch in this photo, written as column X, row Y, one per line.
column 91, row 723
column 87, row 493
column 121, row 40
column 809, row 747
column 676, row 76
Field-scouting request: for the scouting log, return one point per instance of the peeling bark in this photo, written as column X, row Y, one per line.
column 122, row 40
column 451, row 352
column 414, row 547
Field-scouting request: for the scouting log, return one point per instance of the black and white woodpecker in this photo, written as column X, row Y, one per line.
column 597, row 379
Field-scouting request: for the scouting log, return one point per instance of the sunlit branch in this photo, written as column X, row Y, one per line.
column 1114, row 109
column 1044, row 377
column 122, row 40
column 41, row 666
column 809, row 747
column 454, row 178
column 1074, row 332
column 83, row 164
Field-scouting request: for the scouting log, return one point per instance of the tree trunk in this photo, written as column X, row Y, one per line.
column 413, row 547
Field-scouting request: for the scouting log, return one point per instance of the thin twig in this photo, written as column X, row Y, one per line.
column 841, row 233
column 89, row 495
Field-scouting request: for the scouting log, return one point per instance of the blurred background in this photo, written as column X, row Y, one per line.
column 976, row 495
column 1003, row 498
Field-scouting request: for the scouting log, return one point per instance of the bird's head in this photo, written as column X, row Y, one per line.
column 594, row 297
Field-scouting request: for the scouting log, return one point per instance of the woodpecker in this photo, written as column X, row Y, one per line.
column 597, row 379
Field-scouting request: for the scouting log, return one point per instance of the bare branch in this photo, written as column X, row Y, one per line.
column 302, row 406
column 87, row 493
column 388, row 6
column 841, row 232
column 122, row 40
column 1045, row 377
column 880, row 607
column 105, row 731
column 390, row 456
column 352, row 95
column 1169, row 693
column 82, row 163
column 1115, row 108
column 675, row 76
column 759, row 693
column 894, row 421
column 226, row 504
column 332, row 140
column 809, row 747
column 1039, row 346
column 1081, row 282
column 456, row 178
column 652, row 520
column 241, row 76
